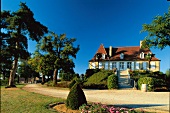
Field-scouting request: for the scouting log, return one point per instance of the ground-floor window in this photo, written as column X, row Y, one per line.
column 93, row 65
column 129, row 65
column 153, row 65
column 122, row 65
column 106, row 65
column 113, row 65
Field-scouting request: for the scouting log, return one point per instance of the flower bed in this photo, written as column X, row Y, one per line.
column 102, row 108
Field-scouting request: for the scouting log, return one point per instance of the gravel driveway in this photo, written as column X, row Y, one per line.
column 150, row 101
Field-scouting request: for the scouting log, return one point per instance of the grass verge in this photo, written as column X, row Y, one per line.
column 20, row 101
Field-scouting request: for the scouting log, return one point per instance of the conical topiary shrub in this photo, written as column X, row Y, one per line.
column 75, row 97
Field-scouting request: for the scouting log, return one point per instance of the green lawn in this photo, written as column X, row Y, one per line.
column 20, row 101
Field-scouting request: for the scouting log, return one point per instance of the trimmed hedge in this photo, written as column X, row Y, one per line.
column 76, row 97
column 72, row 83
column 112, row 82
column 98, row 80
column 90, row 72
column 146, row 80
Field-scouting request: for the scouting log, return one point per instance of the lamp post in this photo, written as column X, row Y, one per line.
column 98, row 55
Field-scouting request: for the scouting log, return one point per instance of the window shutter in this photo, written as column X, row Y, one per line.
column 100, row 65
column 144, row 65
column 132, row 65
column 137, row 65
column 106, row 65
column 125, row 65
column 117, row 65
column 111, row 66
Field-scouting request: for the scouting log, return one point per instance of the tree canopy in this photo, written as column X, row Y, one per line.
column 16, row 28
column 60, row 51
column 158, row 32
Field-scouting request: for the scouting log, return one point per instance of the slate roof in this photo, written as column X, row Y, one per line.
column 130, row 53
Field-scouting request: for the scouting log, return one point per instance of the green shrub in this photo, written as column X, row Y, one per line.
column 159, row 82
column 146, row 80
column 72, row 83
column 98, row 80
column 90, row 72
column 63, row 84
column 112, row 82
column 49, row 83
column 76, row 97
column 5, row 82
column 95, row 86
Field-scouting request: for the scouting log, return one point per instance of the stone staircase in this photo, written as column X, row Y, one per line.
column 123, row 82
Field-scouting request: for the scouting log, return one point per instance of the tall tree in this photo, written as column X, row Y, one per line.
column 158, row 32
column 61, row 51
column 19, row 25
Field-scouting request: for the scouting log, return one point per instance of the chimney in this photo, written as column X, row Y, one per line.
column 141, row 43
column 110, row 51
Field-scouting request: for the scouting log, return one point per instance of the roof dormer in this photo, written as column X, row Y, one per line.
column 142, row 55
column 121, row 56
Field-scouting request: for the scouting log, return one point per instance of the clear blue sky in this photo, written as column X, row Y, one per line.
column 92, row 22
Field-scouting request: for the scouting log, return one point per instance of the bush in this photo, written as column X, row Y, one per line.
column 98, row 80
column 159, row 83
column 6, row 82
column 95, row 86
column 76, row 97
column 90, row 72
column 63, row 84
column 112, row 82
column 146, row 80
column 49, row 83
column 72, row 83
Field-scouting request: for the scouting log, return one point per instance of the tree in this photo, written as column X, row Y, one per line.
column 5, row 57
column 16, row 27
column 25, row 70
column 61, row 51
column 149, row 57
column 168, row 73
column 158, row 32
column 41, row 64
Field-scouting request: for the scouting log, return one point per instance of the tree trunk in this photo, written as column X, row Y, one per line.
column 4, row 75
column 12, row 73
column 55, row 77
column 43, row 79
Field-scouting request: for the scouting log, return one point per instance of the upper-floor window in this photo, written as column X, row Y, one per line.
column 142, row 55
column 121, row 56
column 103, row 56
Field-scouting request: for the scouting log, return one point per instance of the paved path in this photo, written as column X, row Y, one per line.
column 152, row 101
